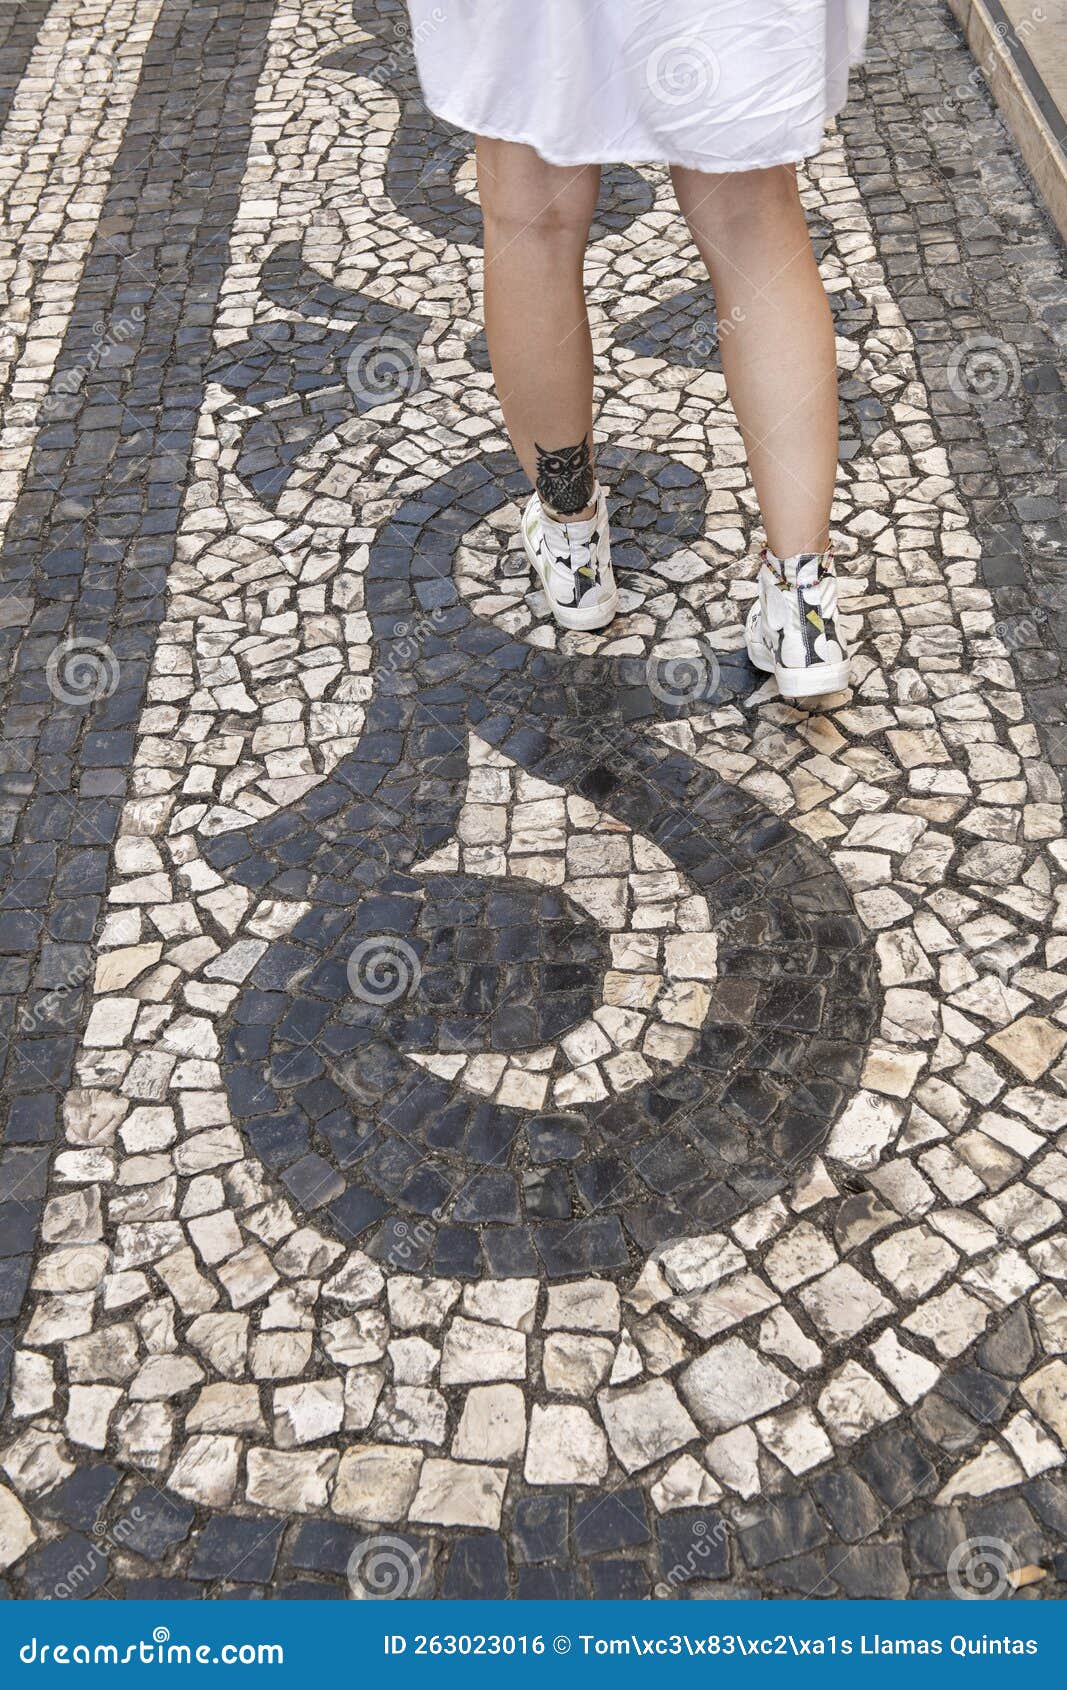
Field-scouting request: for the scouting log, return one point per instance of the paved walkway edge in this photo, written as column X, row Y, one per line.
column 1027, row 105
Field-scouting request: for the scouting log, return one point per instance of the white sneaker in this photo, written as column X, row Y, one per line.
column 573, row 563
column 792, row 630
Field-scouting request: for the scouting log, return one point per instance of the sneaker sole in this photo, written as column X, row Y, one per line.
column 578, row 621
column 815, row 681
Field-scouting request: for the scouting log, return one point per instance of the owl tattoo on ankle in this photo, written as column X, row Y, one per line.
column 565, row 479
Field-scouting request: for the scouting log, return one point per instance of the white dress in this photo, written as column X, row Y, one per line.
column 714, row 84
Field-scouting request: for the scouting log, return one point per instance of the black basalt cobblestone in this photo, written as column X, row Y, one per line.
column 88, row 545
column 971, row 254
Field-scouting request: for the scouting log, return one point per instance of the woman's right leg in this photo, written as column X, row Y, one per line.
column 777, row 342
column 537, row 221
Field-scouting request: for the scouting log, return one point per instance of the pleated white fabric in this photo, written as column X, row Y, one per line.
column 718, row 85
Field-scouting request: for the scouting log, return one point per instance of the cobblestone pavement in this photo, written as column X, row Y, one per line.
column 492, row 1113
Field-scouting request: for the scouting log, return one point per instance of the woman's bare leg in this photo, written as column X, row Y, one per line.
column 777, row 343
column 537, row 219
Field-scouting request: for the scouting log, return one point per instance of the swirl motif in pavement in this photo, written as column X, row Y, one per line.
column 323, row 1081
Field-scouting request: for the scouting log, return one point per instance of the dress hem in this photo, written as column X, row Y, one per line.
column 684, row 161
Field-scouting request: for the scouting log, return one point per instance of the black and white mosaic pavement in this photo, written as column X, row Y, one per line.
column 488, row 1111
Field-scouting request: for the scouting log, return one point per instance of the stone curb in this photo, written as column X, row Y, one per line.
column 1026, row 104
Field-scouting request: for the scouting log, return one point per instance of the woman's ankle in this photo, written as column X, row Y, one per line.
column 585, row 515
column 566, row 480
